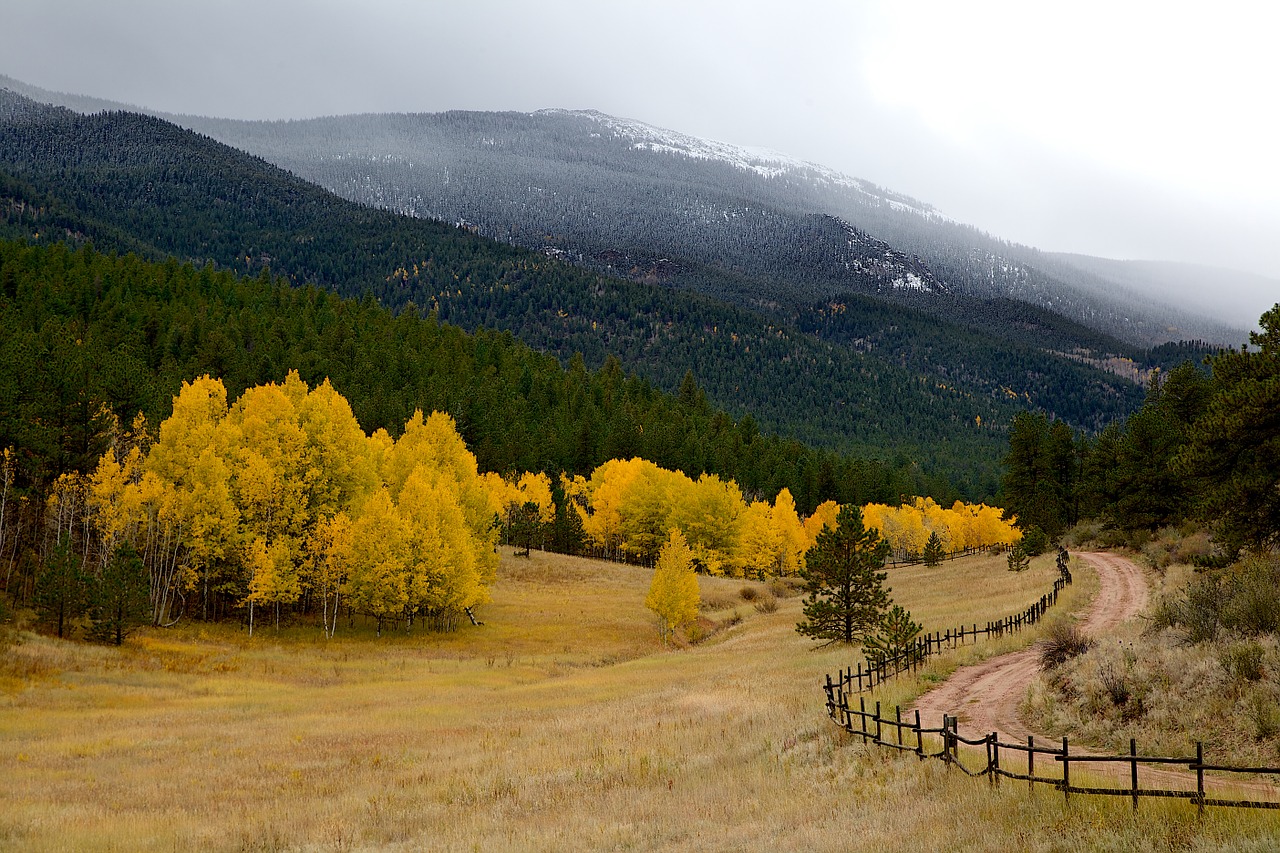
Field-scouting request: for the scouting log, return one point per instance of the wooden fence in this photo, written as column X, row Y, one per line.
column 870, row 673
column 903, row 557
column 1047, row 764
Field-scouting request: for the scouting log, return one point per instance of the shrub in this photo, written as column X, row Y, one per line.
column 1114, row 684
column 749, row 593
column 716, row 601
column 767, row 603
column 1243, row 661
column 785, row 587
column 1156, row 556
column 1063, row 642
column 1253, row 601
column 1263, row 715
column 1034, row 541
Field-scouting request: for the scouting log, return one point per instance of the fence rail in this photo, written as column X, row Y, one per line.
column 909, row 735
column 870, row 673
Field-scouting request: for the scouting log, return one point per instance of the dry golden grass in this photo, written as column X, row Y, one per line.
column 560, row 724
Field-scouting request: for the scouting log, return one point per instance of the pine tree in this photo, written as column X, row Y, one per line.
column 1019, row 560
column 120, row 597
column 62, row 590
column 673, row 594
column 847, row 598
column 894, row 637
column 933, row 551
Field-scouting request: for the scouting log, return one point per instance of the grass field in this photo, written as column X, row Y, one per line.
column 561, row 723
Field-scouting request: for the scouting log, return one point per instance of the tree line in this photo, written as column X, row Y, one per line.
column 1204, row 446
column 90, row 340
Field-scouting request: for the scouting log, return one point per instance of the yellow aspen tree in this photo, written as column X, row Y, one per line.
column 792, row 541
column 673, row 593
column 880, row 517
column 646, row 508
column 377, row 580
column 330, row 551
column 709, row 513
column 442, row 568
column 936, row 520
column 824, row 515
column 964, row 534
column 536, row 489
column 759, row 542
column 432, row 446
column 344, row 460
column 911, row 532
column 273, row 575
column 192, row 522
column 605, row 492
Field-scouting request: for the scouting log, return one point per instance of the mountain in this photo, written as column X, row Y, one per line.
column 755, row 227
column 648, row 204
column 854, row 373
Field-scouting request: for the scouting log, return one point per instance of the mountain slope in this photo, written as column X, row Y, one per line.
column 653, row 204
column 649, row 204
column 942, row 401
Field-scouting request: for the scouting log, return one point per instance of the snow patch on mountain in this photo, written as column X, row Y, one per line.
column 762, row 161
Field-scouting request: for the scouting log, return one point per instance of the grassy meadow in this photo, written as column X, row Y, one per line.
column 561, row 723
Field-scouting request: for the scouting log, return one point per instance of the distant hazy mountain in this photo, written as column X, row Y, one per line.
column 1230, row 296
column 754, row 227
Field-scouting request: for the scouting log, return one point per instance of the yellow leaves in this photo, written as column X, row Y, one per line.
column 536, row 489
column 283, row 490
column 673, row 593
column 906, row 528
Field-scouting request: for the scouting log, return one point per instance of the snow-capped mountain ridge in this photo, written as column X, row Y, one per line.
column 764, row 162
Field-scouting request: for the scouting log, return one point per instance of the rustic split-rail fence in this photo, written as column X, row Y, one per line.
column 1046, row 763
column 871, row 672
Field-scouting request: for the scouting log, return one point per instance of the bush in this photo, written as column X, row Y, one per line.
column 749, row 593
column 1063, row 642
column 1264, row 715
column 785, row 587
column 1253, row 602
column 767, row 603
column 1034, row 541
column 1243, row 661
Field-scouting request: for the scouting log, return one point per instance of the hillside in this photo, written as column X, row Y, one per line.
column 655, row 205
column 126, row 180
column 85, row 337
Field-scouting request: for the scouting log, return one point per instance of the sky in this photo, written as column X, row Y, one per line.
column 1128, row 130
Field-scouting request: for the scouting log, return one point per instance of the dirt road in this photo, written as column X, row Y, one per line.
column 986, row 696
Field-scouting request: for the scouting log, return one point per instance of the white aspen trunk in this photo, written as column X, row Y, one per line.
column 324, row 610
column 251, row 617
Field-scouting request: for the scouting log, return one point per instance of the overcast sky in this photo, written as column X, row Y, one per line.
column 1126, row 130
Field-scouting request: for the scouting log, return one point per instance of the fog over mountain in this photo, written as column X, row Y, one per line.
column 755, row 227
column 1127, row 132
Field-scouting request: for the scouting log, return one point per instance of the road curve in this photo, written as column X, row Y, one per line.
column 986, row 696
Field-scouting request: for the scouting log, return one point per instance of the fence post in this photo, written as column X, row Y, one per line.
column 897, row 718
column 862, row 708
column 994, row 767
column 1031, row 762
column 1199, row 779
column 1133, row 770
column 877, row 721
column 919, row 737
column 1066, row 772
